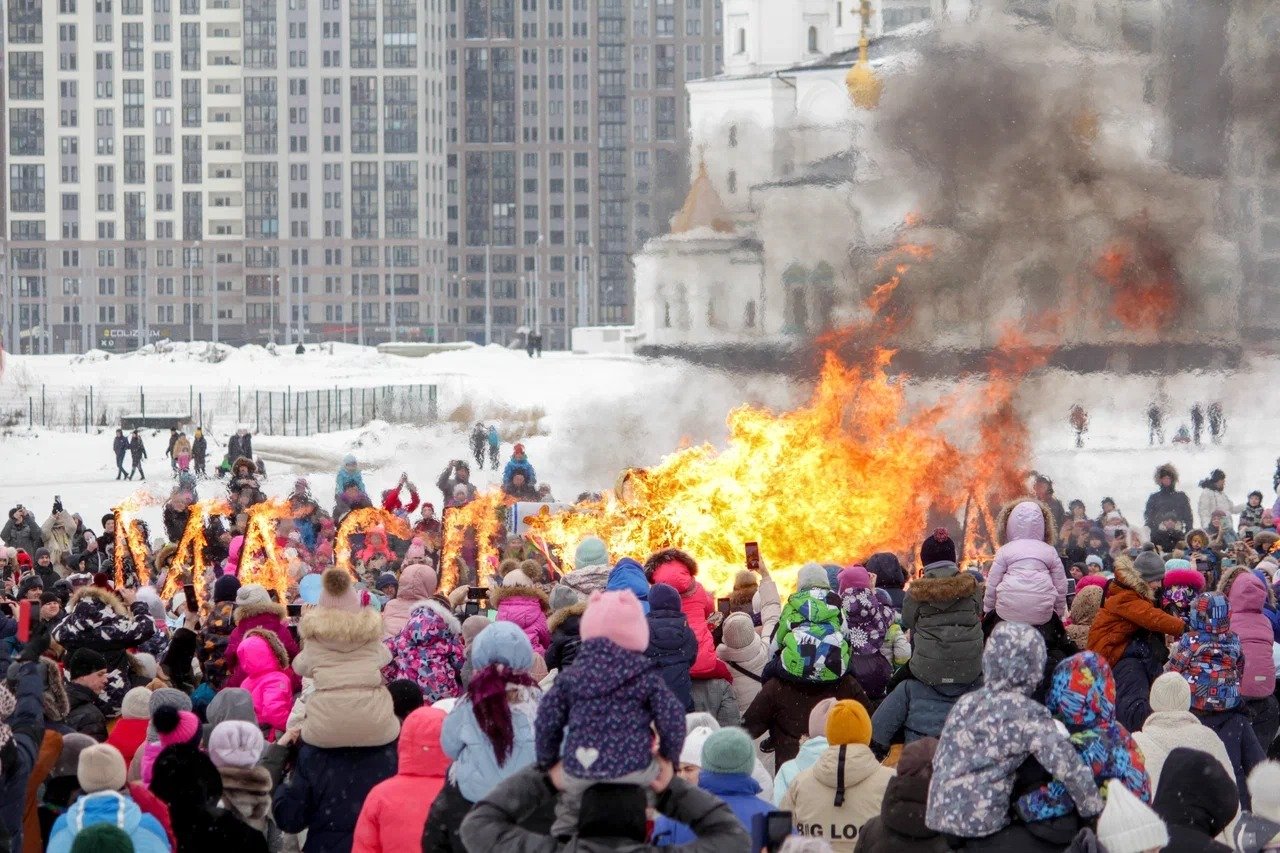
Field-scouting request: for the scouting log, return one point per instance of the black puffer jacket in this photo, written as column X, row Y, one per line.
column 1196, row 799
column 565, row 638
column 672, row 645
column 900, row 828
column 944, row 610
column 96, row 619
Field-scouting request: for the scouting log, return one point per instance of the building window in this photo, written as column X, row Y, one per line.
column 749, row 320
column 740, row 46
column 732, row 181
column 364, row 115
column 26, row 132
column 261, row 115
column 733, row 136
column 813, row 39
column 364, row 200
column 400, row 116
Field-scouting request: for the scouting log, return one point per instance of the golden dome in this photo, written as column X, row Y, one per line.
column 864, row 86
column 703, row 207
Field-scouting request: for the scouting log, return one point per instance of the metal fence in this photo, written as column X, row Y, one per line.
column 266, row 412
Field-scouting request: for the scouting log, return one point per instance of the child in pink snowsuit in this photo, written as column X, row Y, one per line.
column 1027, row 582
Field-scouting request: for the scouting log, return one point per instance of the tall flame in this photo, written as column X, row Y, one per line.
column 188, row 560
column 130, row 540
column 483, row 517
column 359, row 520
column 261, row 561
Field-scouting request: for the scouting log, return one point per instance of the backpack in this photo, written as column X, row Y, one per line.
column 810, row 637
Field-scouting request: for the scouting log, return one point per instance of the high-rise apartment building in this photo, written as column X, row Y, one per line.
column 253, row 169
column 568, row 138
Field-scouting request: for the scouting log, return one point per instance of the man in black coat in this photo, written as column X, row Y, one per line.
column 120, row 446
column 1168, row 501
column 88, row 672
column 138, row 452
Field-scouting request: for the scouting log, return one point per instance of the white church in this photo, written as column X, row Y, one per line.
column 790, row 205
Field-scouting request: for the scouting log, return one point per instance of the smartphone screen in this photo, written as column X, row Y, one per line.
column 189, row 590
column 753, row 556
column 769, row 830
column 722, row 604
column 294, row 610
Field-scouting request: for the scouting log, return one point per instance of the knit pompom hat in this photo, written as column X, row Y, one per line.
column 337, row 593
column 590, row 552
column 938, row 548
column 1151, row 567
column 812, row 576
column 174, row 726
column 616, row 616
column 101, row 768
column 854, row 577
column 234, row 743
column 136, row 704
column 226, row 588
column 563, row 596
column 738, row 632
column 1264, row 787
column 502, row 642
column 1128, row 825
column 1170, row 692
column 818, row 717
column 848, row 723
column 729, row 750
column 252, row 593
column 102, row 838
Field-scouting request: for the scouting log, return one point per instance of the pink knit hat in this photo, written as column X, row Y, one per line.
column 854, row 577
column 174, row 726
column 616, row 616
column 338, row 593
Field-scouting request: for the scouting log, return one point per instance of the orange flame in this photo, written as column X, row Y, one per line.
column 130, row 540
column 359, row 520
column 1147, row 292
column 483, row 518
column 188, row 560
column 261, row 562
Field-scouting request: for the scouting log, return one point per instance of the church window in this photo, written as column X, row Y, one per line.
column 813, row 39
column 742, row 41
column 732, row 181
column 733, row 136
column 750, row 319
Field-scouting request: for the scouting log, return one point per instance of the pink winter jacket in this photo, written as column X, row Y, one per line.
column 263, row 660
column 1027, row 582
column 697, row 605
column 1246, row 595
column 527, row 607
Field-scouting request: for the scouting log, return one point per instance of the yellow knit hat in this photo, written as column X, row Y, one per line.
column 848, row 722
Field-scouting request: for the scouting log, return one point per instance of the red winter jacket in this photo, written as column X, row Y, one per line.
column 391, row 501
column 395, row 812
column 697, row 605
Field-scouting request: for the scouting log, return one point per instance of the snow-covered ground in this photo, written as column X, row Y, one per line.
column 584, row 418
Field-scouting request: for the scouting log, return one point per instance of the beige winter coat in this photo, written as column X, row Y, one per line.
column 343, row 654
column 59, row 530
column 752, row 659
column 812, row 796
column 1165, row 731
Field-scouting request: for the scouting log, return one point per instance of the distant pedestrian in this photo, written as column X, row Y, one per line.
column 1217, row 423
column 138, row 452
column 528, row 343
column 1197, row 423
column 120, row 445
column 1079, row 423
column 199, row 451
column 479, row 436
column 537, row 343
column 1155, row 424
column 494, row 444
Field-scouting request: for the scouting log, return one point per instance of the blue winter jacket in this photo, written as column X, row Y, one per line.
column 27, row 723
column 628, row 574
column 475, row 769
column 672, row 644
column 916, row 710
column 346, row 478
column 519, row 466
column 326, row 790
column 143, row 830
column 493, row 437
column 808, row 755
column 740, row 792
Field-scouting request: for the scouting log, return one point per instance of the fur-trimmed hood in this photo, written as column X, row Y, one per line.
column 273, row 643
column 1185, row 577
column 248, row 611
column 440, row 610
column 559, row 617
column 341, row 629
column 1166, row 470
column 1128, row 577
column 498, row 595
column 943, row 589
column 101, row 597
column 1019, row 520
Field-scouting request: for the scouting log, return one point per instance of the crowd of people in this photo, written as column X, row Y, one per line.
column 1094, row 686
